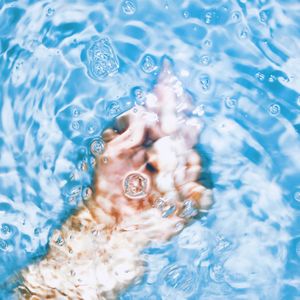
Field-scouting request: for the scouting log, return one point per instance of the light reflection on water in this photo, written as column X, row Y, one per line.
column 60, row 87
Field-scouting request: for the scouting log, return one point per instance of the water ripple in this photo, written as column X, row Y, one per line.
column 68, row 69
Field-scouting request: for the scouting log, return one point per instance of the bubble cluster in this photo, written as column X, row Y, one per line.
column 102, row 59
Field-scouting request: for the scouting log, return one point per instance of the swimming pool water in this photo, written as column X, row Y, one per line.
column 67, row 68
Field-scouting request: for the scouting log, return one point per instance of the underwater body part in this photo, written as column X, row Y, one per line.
column 145, row 190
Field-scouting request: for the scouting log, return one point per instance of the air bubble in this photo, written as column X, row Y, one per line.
column 236, row 16
column 298, row 100
column 230, row 102
column 50, row 12
column 113, row 109
column 272, row 78
column 5, row 231
column 297, row 196
column 60, row 241
column 263, row 17
column 208, row 17
column 37, row 231
column 3, row 245
column 244, row 33
column 205, row 60
column 199, row 110
column 75, row 125
column 91, row 128
column 87, row 193
column 102, row 59
column 186, row 14
column 189, row 209
column 205, row 82
column 217, row 273
column 93, row 162
column 75, row 195
column 274, row 109
column 128, row 7
column 97, row 147
column 207, row 43
column 139, row 95
column 148, row 64
column 260, row 76
column 76, row 112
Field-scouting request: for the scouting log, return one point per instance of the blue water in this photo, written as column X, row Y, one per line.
column 67, row 68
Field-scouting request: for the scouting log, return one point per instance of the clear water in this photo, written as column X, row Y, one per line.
column 67, row 68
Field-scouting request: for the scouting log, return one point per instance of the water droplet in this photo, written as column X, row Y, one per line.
column 50, row 12
column 205, row 82
column 274, row 109
column 148, row 64
column 128, row 7
column 205, row 60
column 102, row 59
column 97, row 147
column 230, row 102
column 186, row 14
column 297, row 196
column 236, row 16
column 260, row 76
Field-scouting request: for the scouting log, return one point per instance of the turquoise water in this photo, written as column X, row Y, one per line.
column 67, row 68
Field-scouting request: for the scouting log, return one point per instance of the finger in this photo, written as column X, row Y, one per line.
column 132, row 137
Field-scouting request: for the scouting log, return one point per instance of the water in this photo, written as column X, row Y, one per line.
column 67, row 69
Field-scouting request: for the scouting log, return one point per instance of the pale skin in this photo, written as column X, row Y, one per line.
column 145, row 190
